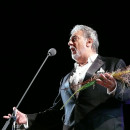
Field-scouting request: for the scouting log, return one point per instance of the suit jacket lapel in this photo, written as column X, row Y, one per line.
column 94, row 67
column 91, row 71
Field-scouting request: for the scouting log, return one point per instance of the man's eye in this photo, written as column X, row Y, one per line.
column 74, row 39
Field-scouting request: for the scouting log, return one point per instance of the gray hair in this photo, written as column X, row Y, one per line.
column 88, row 33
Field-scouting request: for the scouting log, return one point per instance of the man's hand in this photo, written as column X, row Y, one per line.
column 21, row 118
column 107, row 81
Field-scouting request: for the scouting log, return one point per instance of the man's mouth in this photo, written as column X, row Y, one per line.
column 73, row 50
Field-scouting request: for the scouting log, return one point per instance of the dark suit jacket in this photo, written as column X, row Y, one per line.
column 94, row 109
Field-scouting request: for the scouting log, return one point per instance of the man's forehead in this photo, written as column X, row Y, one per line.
column 77, row 33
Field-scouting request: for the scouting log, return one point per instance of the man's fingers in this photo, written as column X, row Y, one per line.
column 7, row 117
column 108, row 76
column 14, row 109
column 102, row 77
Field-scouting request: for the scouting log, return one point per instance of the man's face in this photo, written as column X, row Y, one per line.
column 77, row 45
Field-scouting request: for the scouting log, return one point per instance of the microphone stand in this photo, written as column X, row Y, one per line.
column 14, row 127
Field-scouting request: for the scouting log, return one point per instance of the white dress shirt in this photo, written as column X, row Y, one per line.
column 79, row 74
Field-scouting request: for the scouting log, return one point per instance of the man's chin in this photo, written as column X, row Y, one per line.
column 75, row 57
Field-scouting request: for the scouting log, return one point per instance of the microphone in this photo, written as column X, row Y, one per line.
column 52, row 52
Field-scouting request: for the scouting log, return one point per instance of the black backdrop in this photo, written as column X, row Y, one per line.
column 30, row 28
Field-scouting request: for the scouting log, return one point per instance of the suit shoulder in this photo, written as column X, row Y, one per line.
column 111, row 59
column 113, row 62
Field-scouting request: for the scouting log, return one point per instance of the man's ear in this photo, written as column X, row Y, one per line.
column 89, row 42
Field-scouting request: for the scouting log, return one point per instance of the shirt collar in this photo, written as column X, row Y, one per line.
column 92, row 58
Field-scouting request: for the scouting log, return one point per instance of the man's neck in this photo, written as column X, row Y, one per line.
column 84, row 61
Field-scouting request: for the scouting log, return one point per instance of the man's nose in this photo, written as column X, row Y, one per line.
column 70, row 43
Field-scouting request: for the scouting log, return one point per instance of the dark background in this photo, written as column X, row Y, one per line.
column 30, row 28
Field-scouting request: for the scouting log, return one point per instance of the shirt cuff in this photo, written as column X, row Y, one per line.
column 26, row 125
column 112, row 92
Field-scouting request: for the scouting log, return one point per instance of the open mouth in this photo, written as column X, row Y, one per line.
column 73, row 50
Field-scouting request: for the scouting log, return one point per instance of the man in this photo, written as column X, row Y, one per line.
column 98, row 107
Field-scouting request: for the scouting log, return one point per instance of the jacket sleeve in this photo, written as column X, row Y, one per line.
column 48, row 119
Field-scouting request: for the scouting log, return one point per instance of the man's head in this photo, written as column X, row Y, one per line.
column 83, row 43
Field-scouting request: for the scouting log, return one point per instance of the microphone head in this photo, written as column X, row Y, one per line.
column 52, row 52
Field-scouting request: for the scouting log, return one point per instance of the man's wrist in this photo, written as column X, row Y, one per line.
column 112, row 90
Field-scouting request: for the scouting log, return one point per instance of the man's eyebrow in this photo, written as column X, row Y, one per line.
column 72, row 36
